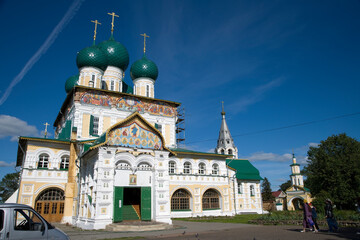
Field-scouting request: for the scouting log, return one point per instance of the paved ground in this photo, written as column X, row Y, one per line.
column 208, row 231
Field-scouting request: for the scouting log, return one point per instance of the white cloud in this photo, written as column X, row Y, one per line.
column 273, row 157
column 14, row 127
column 6, row 164
column 256, row 95
column 313, row 144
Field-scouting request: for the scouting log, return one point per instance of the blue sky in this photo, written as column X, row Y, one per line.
column 273, row 63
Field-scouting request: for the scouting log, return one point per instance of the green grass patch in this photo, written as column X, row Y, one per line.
column 245, row 218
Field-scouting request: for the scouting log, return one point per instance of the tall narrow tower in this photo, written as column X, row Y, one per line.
column 225, row 143
column 296, row 177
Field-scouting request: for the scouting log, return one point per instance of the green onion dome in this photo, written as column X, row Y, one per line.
column 92, row 57
column 71, row 82
column 116, row 53
column 144, row 68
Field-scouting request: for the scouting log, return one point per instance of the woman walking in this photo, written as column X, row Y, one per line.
column 307, row 221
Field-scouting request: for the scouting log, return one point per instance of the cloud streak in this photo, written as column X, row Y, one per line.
column 5, row 164
column 256, row 95
column 44, row 47
column 13, row 127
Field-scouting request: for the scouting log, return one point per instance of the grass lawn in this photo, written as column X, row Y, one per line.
column 244, row 218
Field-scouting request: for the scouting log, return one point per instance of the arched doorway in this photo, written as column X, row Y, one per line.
column 50, row 204
column 297, row 203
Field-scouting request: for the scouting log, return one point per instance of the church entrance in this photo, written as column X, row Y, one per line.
column 132, row 203
column 50, row 204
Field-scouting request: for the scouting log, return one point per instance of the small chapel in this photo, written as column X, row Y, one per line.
column 115, row 155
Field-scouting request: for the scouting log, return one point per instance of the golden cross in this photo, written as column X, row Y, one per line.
column 96, row 23
column 112, row 22
column 46, row 125
column 222, row 112
column 145, row 36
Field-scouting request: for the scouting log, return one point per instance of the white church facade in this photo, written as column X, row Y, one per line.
column 115, row 154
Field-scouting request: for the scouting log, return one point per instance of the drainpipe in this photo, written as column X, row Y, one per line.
column 233, row 177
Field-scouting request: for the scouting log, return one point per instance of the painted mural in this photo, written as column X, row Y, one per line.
column 134, row 136
column 95, row 99
column 129, row 103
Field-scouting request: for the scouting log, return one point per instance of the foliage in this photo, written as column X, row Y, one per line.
column 334, row 166
column 8, row 185
column 319, row 201
column 285, row 185
column 266, row 190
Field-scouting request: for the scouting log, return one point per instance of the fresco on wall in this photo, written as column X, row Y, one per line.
column 95, row 99
column 134, row 136
column 129, row 103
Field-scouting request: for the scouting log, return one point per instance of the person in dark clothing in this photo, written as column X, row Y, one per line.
column 314, row 215
column 331, row 221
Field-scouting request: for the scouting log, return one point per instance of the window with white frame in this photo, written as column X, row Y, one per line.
column 230, row 151
column 240, row 188
column 92, row 81
column 43, row 161
column 252, row 190
column 215, row 169
column 112, row 86
column 103, row 85
column 64, row 164
column 187, row 168
column 96, row 126
column 147, row 91
column 202, row 168
column 172, row 167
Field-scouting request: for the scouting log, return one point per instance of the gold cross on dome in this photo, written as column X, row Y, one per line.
column 46, row 125
column 112, row 22
column 145, row 36
column 96, row 23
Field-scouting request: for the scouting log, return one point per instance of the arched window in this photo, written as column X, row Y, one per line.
column 222, row 151
column 123, row 165
column 112, row 86
column 187, row 168
column 230, row 152
column 144, row 166
column 64, row 164
column 252, row 190
column 172, row 167
column 202, row 168
column 147, row 91
column 43, row 161
column 240, row 188
column 180, row 200
column 215, row 169
column 210, row 200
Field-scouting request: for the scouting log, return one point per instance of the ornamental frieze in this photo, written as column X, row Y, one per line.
column 128, row 103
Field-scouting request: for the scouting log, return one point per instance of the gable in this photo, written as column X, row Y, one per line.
column 134, row 135
column 134, row 132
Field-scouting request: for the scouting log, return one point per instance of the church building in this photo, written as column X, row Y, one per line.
column 115, row 155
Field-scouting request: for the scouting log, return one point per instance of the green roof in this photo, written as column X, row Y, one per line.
column 244, row 169
column 144, row 68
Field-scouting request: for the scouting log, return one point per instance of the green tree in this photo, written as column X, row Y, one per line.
column 285, row 185
column 266, row 190
column 8, row 185
column 334, row 167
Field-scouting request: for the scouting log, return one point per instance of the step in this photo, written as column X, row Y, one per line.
column 125, row 227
